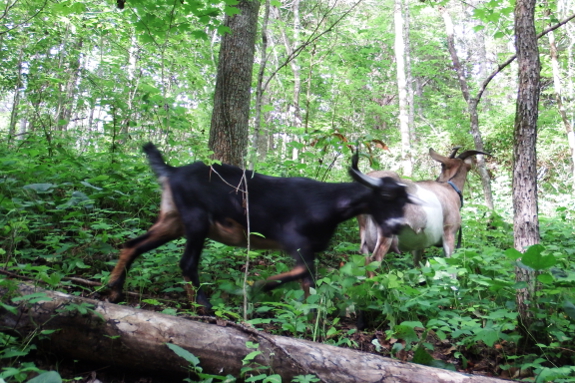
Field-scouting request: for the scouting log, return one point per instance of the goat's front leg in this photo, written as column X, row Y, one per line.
column 417, row 255
column 449, row 234
column 381, row 249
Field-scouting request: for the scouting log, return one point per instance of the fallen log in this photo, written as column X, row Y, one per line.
column 102, row 332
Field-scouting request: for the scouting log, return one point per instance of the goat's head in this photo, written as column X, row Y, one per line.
column 388, row 199
column 454, row 167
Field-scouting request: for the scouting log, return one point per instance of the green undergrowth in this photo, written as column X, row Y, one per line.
column 63, row 215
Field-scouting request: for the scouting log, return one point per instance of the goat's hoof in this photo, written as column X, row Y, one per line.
column 265, row 285
column 115, row 297
column 205, row 311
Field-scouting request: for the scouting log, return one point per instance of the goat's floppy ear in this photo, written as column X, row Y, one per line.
column 437, row 157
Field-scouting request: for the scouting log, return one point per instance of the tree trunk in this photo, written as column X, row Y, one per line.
column 260, row 136
column 229, row 127
column 16, row 100
column 133, row 81
column 71, row 84
column 559, row 99
column 294, row 108
column 472, row 108
column 399, row 48
column 409, row 79
column 525, row 219
column 111, row 334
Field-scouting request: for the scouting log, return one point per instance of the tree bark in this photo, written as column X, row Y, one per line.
column 136, row 339
column 525, row 211
column 399, row 48
column 229, row 127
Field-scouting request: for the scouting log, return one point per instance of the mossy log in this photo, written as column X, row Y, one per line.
column 135, row 339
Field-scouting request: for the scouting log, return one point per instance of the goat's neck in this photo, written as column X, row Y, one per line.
column 457, row 182
column 458, row 191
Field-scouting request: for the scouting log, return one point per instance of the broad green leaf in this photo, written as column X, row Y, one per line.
column 251, row 356
column 488, row 335
column 231, row 11
column 188, row 356
column 223, row 29
column 40, row 188
column 533, row 258
column 33, row 298
column 520, row 285
column 200, row 34
column 47, row 377
column 275, row 378
column 569, row 309
column 406, row 333
column 421, row 356
column 545, row 278
column 513, row 254
column 85, row 183
column 11, row 309
column 412, row 324
column 256, row 378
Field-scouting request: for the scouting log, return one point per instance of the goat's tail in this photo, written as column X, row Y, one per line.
column 157, row 163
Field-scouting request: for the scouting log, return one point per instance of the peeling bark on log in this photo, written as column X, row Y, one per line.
column 135, row 339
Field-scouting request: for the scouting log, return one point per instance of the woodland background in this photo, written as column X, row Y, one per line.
column 84, row 84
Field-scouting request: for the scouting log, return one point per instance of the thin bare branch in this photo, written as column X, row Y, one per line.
column 500, row 67
column 8, row 7
column 310, row 41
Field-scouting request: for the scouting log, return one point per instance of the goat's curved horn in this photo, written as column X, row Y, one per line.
column 454, row 151
column 470, row 153
column 363, row 179
column 355, row 160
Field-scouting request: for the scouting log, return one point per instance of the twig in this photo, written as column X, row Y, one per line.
column 248, row 244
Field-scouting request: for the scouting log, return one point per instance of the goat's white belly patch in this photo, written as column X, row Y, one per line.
column 420, row 236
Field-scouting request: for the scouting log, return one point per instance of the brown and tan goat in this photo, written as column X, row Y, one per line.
column 433, row 222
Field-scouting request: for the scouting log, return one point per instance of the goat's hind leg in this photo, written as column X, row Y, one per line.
column 167, row 228
column 189, row 265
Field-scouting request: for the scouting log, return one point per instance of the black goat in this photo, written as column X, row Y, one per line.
column 296, row 215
